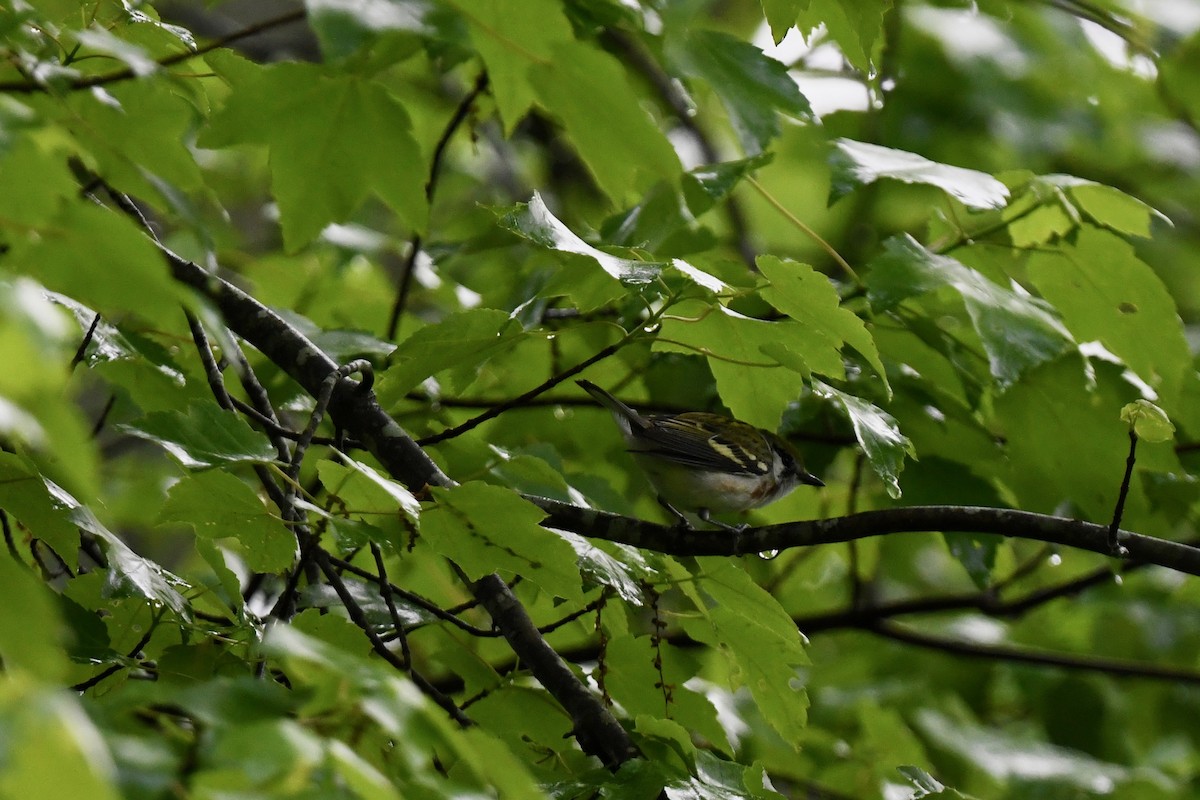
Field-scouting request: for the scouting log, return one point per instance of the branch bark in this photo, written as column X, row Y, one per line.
column 358, row 412
column 912, row 519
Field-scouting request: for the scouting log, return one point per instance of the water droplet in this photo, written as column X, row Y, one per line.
column 1055, row 560
column 1119, row 580
column 651, row 328
column 769, row 555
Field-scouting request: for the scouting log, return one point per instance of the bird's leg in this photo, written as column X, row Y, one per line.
column 705, row 515
column 675, row 512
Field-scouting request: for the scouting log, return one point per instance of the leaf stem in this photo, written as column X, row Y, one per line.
column 809, row 232
column 1115, row 526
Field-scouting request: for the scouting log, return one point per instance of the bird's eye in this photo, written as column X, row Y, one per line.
column 786, row 458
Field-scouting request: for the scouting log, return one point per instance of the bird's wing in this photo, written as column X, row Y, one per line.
column 695, row 439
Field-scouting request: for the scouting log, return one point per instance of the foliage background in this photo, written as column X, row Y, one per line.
column 941, row 246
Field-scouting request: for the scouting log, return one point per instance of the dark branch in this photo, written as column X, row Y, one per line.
column 597, row 730
column 91, row 81
column 1024, row 655
column 435, row 167
column 359, row 413
column 969, row 519
column 517, row 402
column 1119, row 511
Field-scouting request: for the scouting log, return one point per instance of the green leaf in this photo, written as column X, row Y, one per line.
column 374, row 492
column 101, row 259
column 206, row 436
column 463, row 341
column 46, row 725
column 145, row 370
column 528, row 474
column 359, row 776
column 129, row 574
column 809, row 298
column 877, row 432
column 1018, row 332
column 344, row 27
column 99, row 40
column 217, row 505
column 485, row 528
column 719, row 779
column 624, row 150
column 138, row 133
column 32, row 634
column 757, row 365
column 760, row 641
column 928, row 786
column 40, row 168
column 345, row 138
column 855, row 26
column 515, row 40
column 343, row 681
column 535, row 222
column 624, row 570
column 858, row 163
column 1178, row 71
column 660, row 216
column 366, row 495
column 25, row 496
column 707, row 185
column 1105, row 293
column 754, row 87
column 588, row 287
column 1057, row 404
column 1040, row 225
column 1148, row 421
column 1010, row 757
column 1107, row 206
column 781, row 15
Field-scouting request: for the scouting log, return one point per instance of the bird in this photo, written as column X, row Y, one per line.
column 707, row 463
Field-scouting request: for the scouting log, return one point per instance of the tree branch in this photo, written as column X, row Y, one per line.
column 435, row 166
column 914, row 519
column 597, row 730
column 1024, row 655
column 358, row 412
column 92, row 81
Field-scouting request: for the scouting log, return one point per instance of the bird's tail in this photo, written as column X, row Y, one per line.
column 624, row 415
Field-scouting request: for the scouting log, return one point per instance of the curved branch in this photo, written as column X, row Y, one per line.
column 913, row 519
column 358, row 412
column 1025, row 655
column 92, row 81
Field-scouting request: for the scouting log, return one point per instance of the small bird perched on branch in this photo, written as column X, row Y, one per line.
column 707, row 463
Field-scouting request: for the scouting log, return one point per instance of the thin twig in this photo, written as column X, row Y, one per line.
column 446, row 615
column 91, row 81
column 113, row 669
column 260, row 403
column 359, row 618
column 1115, row 526
column 385, row 591
column 8, row 539
column 669, row 92
column 806, row 230
column 360, row 365
column 999, row 652
column 83, row 345
column 102, row 419
column 435, row 166
column 520, row 400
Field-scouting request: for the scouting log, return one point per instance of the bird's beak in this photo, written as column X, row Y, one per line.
column 807, row 477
